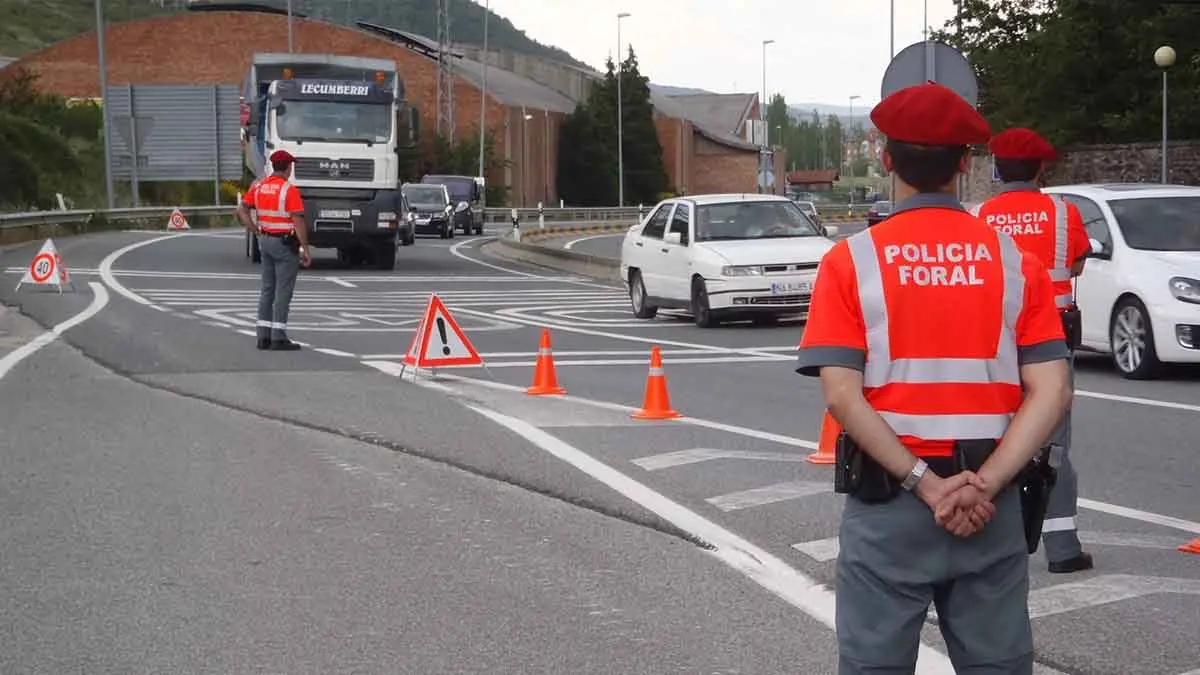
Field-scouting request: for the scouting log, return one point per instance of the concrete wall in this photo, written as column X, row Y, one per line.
column 1128, row 163
column 567, row 80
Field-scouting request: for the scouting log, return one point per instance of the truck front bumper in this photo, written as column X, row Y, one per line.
column 339, row 223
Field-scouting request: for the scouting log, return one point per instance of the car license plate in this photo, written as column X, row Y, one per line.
column 335, row 213
column 791, row 288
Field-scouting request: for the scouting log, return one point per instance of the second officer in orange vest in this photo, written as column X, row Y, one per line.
column 1051, row 229
column 942, row 356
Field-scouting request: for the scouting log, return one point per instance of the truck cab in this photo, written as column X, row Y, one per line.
column 344, row 120
column 469, row 198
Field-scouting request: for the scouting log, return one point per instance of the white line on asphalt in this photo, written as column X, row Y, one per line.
column 99, row 300
column 333, row 352
column 1103, row 507
column 1139, row 401
column 802, row 592
column 454, row 251
column 820, row 550
column 669, row 460
column 571, row 244
column 340, row 282
column 568, row 353
column 768, row 494
column 644, row 361
column 106, row 265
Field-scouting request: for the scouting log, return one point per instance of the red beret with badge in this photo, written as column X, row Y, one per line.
column 930, row 114
column 1021, row 144
column 282, row 156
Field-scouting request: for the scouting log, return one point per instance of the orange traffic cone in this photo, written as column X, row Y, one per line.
column 545, row 380
column 830, row 430
column 1191, row 547
column 657, row 404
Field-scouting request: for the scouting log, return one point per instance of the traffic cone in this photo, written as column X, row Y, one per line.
column 830, row 430
column 545, row 381
column 1191, row 547
column 657, row 404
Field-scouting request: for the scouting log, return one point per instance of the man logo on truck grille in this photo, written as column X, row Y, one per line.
column 335, row 168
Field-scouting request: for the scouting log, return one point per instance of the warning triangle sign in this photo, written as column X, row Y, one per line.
column 440, row 341
column 47, row 269
column 177, row 221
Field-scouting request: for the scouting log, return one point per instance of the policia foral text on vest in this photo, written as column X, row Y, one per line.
column 947, row 379
column 278, row 222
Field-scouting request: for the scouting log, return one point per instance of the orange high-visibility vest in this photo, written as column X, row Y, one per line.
column 269, row 198
column 1038, row 223
column 944, row 382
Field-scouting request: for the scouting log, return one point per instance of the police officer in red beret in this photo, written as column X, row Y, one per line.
column 278, row 221
column 1052, row 230
column 941, row 354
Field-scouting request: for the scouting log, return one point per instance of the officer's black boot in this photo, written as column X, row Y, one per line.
column 264, row 343
column 1079, row 563
column 284, row 345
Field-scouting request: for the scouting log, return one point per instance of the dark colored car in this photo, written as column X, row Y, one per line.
column 430, row 210
column 467, row 197
column 878, row 213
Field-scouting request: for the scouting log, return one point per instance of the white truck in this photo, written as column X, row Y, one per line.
column 346, row 121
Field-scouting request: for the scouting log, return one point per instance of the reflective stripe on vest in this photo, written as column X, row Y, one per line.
column 912, row 383
column 1060, row 267
column 278, row 219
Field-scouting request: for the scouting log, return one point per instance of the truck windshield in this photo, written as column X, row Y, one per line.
column 334, row 121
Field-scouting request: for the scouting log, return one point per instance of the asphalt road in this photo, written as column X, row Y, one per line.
column 609, row 245
column 278, row 505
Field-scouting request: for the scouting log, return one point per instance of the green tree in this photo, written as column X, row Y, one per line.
column 645, row 177
column 461, row 158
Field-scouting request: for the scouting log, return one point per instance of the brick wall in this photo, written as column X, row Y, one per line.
column 718, row 168
column 216, row 48
column 1128, row 163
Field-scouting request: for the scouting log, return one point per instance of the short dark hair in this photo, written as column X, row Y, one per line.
column 281, row 165
column 928, row 168
column 1017, row 170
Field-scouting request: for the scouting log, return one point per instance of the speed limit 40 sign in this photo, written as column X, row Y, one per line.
column 46, row 269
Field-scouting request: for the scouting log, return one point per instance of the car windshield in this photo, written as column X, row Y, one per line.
column 882, row 207
column 425, row 195
column 334, row 121
column 460, row 190
column 1159, row 223
column 752, row 220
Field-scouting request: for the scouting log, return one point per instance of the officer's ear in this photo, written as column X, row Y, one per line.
column 964, row 162
column 887, row 160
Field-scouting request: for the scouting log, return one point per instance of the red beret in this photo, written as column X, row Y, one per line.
column 1019, row 143
column 282, row 156
column 930, row 114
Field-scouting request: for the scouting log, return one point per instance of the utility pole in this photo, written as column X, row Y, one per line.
column 102, row 61
column 487, row 14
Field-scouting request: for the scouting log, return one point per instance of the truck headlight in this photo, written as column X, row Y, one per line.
column 1185, row 289
column 742, row 271
column 387, row 215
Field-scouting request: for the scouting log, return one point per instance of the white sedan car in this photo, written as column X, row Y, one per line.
column 1140, row 289
column 723, row 257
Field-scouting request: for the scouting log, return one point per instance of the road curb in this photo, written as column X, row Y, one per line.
column 15, row 236
column 534, row 234
column 560, row 259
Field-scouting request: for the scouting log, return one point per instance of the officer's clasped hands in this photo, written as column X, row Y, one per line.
column 959, row 503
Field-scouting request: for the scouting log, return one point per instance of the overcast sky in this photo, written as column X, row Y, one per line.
column 825, row 50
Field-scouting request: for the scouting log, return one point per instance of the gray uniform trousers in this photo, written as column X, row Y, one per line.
column 1059, row 533
column 895, row 560
column 280, row 267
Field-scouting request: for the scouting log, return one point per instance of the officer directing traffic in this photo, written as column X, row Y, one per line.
column 925, row 330
column 1051, row 229
column 278, row 222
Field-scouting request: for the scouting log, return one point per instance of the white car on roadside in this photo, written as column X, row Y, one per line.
column 1139, row 293
column 723, row 257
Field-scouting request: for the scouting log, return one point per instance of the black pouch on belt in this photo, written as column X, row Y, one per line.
column 1072, row 322
column 1035, row 482
column 857, row 474
column 970, row 454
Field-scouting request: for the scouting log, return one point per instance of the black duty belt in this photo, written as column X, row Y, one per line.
column 277, row 235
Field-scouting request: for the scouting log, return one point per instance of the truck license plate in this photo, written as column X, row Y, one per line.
column 790, row 288
column 335, row 213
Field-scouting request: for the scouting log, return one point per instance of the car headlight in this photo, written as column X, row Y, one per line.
column 387, row 215
column 1185, row 290
column 742, row 271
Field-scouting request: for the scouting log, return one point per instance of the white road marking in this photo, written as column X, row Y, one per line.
column 824, row 550
column 454, row 251
column 106, row 265
column 768, row 494
column 1136, row 400
column 1103, row 590
column 644, row 361
column 334, row 352
column 669, row 460
column 571, row 244
column 11, row 359
column 1104, row 507
column 802, row 592
column 341, row 282
column 308, row 276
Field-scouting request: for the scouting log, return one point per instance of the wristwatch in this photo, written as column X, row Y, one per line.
column 914, row 476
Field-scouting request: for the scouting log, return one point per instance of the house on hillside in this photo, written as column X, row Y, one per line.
column 815, row 180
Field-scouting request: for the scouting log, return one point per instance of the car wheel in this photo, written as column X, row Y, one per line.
column 701, row 312
column 1132, row 341
column 637, row 297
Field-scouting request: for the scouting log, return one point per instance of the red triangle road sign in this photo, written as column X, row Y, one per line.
column 440, row 341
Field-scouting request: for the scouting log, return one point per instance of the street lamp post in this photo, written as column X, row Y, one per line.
column 849, row 143
column 487, row 11
column 102, row 62
column 1164, row 57
column 620, row 119
column 762, row 118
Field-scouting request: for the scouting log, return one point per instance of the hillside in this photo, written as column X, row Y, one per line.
column 27, row 25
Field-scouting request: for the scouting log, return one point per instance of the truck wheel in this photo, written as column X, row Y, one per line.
column 385, row 255
column 408, row 238
column 479, row 228
column 252, row 248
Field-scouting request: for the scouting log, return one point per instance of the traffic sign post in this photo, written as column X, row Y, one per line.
column 930, row 61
